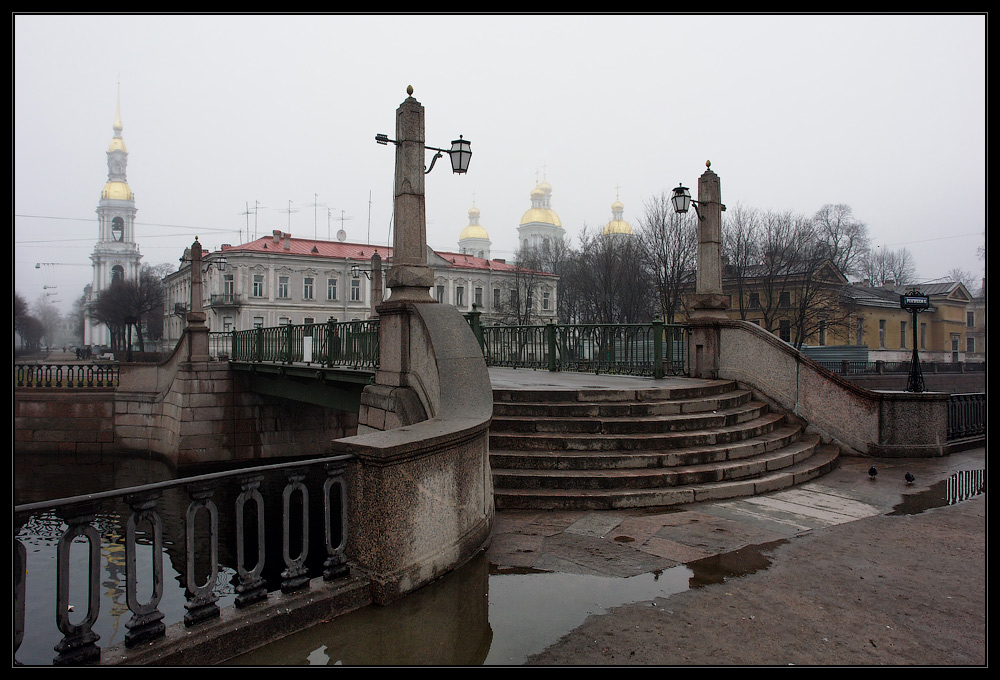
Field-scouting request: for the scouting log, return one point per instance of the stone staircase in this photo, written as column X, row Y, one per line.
column 661, row 446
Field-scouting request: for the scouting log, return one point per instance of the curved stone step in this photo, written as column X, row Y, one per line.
column 696, row 390
column 551, row 441
column 505, row 425
column 651, row 478
column 639, row 459
column 822, row 461
column 622, row 409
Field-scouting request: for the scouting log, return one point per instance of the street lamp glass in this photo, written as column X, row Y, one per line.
column 461, row 154
column 681, row 199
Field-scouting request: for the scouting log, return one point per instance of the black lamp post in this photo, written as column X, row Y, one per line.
column 914, row 302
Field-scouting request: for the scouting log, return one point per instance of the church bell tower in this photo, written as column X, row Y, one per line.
column 116, row 254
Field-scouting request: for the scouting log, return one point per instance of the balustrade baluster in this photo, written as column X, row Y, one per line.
column 147, row 620
column 295, row 576
column 335, row 565
column 252, row 587
column 79, row 643
column 201, row 604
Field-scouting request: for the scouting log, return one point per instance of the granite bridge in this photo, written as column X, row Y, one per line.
column 373, row 441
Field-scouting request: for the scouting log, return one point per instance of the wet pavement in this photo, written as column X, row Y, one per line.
column 624, row 543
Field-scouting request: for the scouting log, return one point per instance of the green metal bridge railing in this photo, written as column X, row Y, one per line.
column 654, row 348
column 343, row 344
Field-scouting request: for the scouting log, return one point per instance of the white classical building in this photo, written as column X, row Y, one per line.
column 116, row 254
column 279, row 280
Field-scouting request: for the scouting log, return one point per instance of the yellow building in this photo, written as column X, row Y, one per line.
column 821, row 308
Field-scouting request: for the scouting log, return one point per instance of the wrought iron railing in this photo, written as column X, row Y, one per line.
column 67, row 376
column 203, row 536
column 655, row 349
column 849, row 367
column 966, row 416
column 345, row 344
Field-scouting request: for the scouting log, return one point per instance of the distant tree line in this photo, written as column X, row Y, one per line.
column 616, row 278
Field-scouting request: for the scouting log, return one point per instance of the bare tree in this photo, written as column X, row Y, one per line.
column 965, row 277
column 883, row 265
column 846, row 237
column 517, row 304
column 613, row 285
column 129, row 305
column 669, row 245
column 741, row 244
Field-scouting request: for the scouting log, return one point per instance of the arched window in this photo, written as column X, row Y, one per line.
column 117, row 273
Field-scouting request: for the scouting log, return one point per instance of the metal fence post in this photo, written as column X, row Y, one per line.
column 657, row 348
column 550, row 338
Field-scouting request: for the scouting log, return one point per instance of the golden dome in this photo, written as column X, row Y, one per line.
column 117, row 191
column 473, row 231
column 618, row 227
column 542, row 215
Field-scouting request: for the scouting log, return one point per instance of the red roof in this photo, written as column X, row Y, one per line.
column 353, row 251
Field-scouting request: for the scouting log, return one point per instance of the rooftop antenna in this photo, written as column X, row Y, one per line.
column 368, row 240
column 289, row 210
column 248, row 212
column 314, row 204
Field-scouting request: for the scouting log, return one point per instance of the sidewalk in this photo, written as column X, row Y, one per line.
column 624, row 543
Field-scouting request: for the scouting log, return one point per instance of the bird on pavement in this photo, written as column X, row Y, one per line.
column 909, row 478
column 872, row 472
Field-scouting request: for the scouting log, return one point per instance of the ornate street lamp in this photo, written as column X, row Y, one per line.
column 914, row 301
column 460, row 153
column 681, row 198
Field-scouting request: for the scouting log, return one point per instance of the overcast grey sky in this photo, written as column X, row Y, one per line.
column 885, row 113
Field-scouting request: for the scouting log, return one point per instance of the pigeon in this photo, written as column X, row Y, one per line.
column 909, row 478
column 872, row 472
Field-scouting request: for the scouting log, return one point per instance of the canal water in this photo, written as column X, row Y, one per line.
column 476, row 615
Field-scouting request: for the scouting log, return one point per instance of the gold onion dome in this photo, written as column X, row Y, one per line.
column 618, row 225
column 540, row 212
column 474, row 230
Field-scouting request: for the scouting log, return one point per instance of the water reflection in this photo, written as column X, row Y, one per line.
column 961, row 486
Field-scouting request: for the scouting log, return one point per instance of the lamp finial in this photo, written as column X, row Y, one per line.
column 409, row 90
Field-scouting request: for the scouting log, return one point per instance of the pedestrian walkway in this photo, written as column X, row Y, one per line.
column 623, row 543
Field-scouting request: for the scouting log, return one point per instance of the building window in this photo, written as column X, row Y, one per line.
column 258, row 322
column 284, row 321
column 460, row 296
column 785, row 331
column 902, row 334
column 282, row 286
column 970, row 319
column 227, row 323
column 785, row 299
column 881, row 332
column 496, row 298
column 970, row 345
column 479, row 297
column 513, row 299
column 440, row 294
column 355, row 290
column 258, row 285
column 923, row 336
column 822, row 331
column 754, row 301
column 860, row 337
column 307, row 288
column 227, row 287
column 331, row 289
column 545, row 301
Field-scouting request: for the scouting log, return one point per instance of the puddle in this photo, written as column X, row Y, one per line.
column 961, row 486
column 742, row 562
